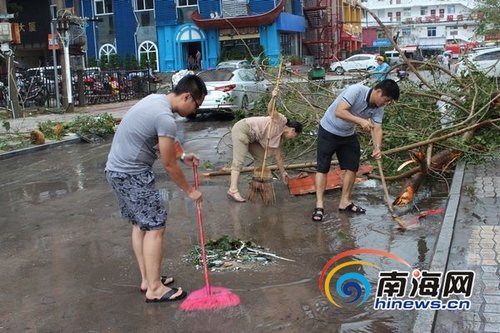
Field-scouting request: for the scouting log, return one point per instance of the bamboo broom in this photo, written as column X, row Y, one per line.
column 262, row 180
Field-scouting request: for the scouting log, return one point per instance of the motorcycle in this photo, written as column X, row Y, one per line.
column 32, row 92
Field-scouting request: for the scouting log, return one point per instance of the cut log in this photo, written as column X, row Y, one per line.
column 225, row 172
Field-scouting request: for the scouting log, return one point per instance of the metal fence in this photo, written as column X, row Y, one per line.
column 36, row 87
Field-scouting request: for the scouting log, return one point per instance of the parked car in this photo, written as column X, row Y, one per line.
column 484, row 60
column 233, row 89
column 358, row 62
column 393, row 57
column 233, row 64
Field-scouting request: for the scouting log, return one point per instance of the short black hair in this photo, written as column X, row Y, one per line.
column 295, row 125
column 389, row 88
column 192, row 84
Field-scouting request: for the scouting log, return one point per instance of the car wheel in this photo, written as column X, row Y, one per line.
column 244, row 103
column 339, row 70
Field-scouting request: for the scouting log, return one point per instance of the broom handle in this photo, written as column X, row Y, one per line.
column 200, row 230
column 273, row 109
column 384, row 185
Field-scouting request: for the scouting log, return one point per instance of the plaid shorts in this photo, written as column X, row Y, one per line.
column 140, row 202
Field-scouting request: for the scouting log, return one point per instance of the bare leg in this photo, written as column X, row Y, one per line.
column 349, row 178
column 235, row 175
column 320, row 188
column 137, row 245
column 152, row 252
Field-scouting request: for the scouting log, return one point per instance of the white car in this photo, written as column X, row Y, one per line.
column 231, row 90
column 485, row 60
column 358, row 62
column 233, row 64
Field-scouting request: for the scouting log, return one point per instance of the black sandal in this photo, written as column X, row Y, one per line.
column 318, row 214
column 353, row 208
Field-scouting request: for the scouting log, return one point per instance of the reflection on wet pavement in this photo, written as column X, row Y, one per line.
column 68, row 251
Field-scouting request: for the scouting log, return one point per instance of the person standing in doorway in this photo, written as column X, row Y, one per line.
column 148, row 128
column 198, row 60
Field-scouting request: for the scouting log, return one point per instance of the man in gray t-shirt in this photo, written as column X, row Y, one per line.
column 356, row 105
column 147, row 129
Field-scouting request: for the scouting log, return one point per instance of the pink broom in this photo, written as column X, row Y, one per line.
column 208, row 297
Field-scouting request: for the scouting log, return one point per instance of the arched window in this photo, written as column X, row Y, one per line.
column 149, row 51
column 105, row 51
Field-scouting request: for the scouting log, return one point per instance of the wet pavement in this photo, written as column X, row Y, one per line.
column 67, row 264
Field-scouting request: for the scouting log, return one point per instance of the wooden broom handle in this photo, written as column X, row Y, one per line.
column 273, row 109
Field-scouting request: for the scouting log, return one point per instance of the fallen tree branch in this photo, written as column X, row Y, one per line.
column 441, row 138
column 224, row 172
column 268, row 254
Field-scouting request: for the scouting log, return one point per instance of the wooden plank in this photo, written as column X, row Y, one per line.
column 304, row 185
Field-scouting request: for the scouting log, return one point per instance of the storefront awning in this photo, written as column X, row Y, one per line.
column 431, row 47
column 409, row 49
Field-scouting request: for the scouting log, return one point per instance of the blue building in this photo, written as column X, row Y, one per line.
column 167, row 32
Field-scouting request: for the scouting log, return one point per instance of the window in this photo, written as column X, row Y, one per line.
column 451, row 9
column 495, row 55
column 103, row 7
column 453, row 33
column 406, row 31
column 144, row 5
column 149, row 51
column 433, row 12
column 423, row 11
column 380, row 13
column 431, row 32
column 398, row 16
column 187, row 3
column 441, row 13
column 105, row 51
column 398, row 2
column 389, row 15
column 406, row 12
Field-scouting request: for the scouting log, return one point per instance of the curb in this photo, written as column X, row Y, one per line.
column 27, row 150
column 425, row 319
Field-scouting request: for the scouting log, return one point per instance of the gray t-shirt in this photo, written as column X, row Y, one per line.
column 134, row 147
column 357, row 97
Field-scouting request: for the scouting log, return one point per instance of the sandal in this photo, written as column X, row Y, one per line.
column 235, row 196
column 168, row 296
column 318, row 214
column 353, row 209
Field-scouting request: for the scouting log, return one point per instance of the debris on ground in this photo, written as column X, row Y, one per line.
column 231, row 254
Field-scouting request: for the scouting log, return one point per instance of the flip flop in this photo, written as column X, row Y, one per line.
column 165, row 280
column 167, row 297
column 353, row 209
column 318, row 214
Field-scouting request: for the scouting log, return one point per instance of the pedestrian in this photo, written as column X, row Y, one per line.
column 446, row 61
column 149, row 128
column 251, row 135
column 380, row 72
column 198, row 60
column 356, row 105
column 191, row 62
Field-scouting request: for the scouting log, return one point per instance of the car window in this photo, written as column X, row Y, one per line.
column 488, row 56
column 364, row 58
column 248, row 75
column 217, row 75
column 354, row 58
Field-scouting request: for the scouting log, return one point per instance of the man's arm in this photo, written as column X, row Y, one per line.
column 344, row 112
column 169, row 161
column 377, row 135
column 272, row 104
column 281, row 167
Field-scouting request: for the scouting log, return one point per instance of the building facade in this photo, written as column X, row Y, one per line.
column 428, row 25
column 167, row 32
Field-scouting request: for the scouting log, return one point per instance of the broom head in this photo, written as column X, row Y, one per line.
column 217, row 298
column 262, row 185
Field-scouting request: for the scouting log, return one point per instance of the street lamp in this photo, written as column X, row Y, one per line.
column 64, row 34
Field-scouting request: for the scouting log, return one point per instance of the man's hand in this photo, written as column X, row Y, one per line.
column 377, row 154
column 285, row 177
column 191, row 158
column 196, row 196
column 366, row 124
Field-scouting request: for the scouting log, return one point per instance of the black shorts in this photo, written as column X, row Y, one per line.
column 347, row 149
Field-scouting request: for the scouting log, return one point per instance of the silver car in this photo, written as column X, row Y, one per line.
column 231, row 90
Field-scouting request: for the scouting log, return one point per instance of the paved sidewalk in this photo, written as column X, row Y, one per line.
column 471, row 231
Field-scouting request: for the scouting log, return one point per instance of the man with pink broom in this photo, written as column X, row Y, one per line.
column 149, row 127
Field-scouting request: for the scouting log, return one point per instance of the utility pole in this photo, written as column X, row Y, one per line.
column 11, row 68
column 64, row 35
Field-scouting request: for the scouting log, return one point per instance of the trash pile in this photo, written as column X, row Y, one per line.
column 231, row 254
